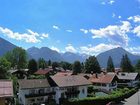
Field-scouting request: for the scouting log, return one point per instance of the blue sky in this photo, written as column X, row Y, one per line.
column 79, row 26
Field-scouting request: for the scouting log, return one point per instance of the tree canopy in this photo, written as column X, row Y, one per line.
column 110, row 65
column 17, row 57
column 54, row 65
column 138, row 66
column 4, row 67
column 76, row 67
column 32, row 66
column 126, row 65
column 92, row 65
column 42, row 63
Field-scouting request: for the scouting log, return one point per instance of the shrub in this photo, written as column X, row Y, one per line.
column 116, row 96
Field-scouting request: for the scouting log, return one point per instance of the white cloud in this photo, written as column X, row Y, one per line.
column 55, row 49
column 111, row 2
column 29, row 37
column 115, row 33
column 119, row 17
column 41, row 37
column 94, row 50
column 56, row 27
column 69, row 30
column 108, row 2
column 135, row 18
column 84, row 31
column 45, row 35
column 134, row 50
column 70, row 48
column 137, row 31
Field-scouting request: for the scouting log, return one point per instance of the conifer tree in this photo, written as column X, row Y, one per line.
column 110, row 65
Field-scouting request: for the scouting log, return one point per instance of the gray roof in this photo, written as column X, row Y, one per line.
column 127, row 76
column 70, row 80
column 33, row 83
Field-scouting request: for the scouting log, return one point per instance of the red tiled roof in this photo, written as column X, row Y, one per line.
column 42, row 72
column 64, row 73
column 6, row 88
column 102, row 78
column 70, row 80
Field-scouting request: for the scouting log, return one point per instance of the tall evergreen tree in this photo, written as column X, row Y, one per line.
column 138, row 66
column 92, row 65
column 32, row 66
column 54, row 65
column 76, row 67
column 126, row 65
column 49, row 63
column 42, row 63
column 110, row 65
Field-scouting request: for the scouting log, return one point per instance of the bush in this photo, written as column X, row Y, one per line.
column 116, row 96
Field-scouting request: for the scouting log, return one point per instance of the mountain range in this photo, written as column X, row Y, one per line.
column 48, row 53
column 5, row 46
column 53, row 55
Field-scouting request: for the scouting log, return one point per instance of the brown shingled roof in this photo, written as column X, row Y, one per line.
column 42, row 72
column 33, row 83
column 103, row 78
column 64, row 73
column 6, row 88
column 70, row 80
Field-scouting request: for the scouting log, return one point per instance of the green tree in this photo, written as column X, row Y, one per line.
column 32, row 66
column 126, row 65
column 66, row 65
column 92, row 65
column 49, row 63
column 76, row 67
column 54, row 65
column 17, row 57
column 42, row 63
column 4, row 67
column 138, row 66
column 110, row 65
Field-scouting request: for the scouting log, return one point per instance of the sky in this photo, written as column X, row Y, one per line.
column 78, row 26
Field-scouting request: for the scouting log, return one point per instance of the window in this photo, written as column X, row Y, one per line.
column 32, row 91
column 41, row 91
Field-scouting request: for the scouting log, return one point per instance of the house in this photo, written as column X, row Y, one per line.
column 43, row 71
column 35, row 91
column 104, row 81
column 128, row 79
column 6, row 91
column 70, row 86
column 21, row 74
column 63, row 73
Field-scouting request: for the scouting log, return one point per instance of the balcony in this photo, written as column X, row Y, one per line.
column 39, row 94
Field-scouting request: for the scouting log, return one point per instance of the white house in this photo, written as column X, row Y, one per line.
column 128, row 79
column 105, row 81
column 35, row 91
column 70, row 86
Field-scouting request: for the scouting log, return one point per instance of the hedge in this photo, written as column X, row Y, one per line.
column 116, row 96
